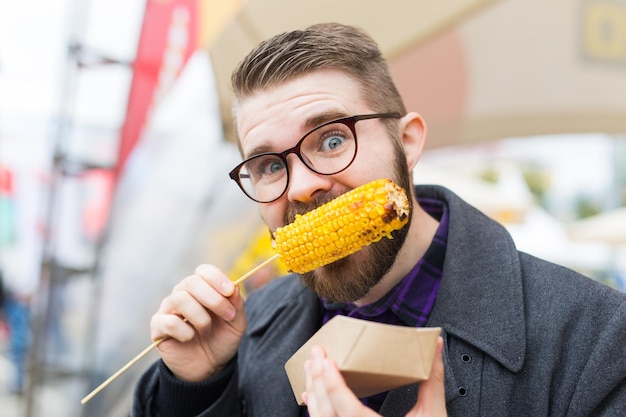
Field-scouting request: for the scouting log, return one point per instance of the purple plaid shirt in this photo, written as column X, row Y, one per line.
column 412, row 300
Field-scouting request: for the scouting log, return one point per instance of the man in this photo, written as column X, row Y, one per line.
column 523, row 337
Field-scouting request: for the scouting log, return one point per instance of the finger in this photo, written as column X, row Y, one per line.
column 224, row 286
column 343, row 400
column 184, row 304
column 172, row 326
column 316, row 398
column 177, row 314
column 431, row 400
column 205, row 295
column 331, row 394
column 188, row 307
column 216, row 279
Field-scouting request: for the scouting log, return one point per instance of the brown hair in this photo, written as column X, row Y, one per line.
column 321, row 46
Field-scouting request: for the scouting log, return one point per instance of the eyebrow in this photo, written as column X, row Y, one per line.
column 321, row 118
column 309, row 124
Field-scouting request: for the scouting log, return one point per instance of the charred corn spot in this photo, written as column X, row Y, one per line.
column 343, row 226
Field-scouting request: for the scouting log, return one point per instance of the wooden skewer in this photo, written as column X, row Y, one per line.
column 157, row 342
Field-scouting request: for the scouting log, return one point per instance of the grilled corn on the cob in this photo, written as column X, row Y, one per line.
column 342, row 226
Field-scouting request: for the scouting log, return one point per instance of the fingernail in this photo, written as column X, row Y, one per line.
column 230, row 313
column 227, row 287
column 316, row 351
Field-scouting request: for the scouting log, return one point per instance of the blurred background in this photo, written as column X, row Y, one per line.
column 116, row 140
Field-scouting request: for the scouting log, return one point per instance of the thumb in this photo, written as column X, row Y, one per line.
column 431, row 398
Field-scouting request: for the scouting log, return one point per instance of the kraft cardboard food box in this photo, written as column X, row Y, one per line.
column 372, row 357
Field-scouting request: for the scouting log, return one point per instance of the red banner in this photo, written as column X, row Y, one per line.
column 97, row 200
column 169, row 36
column 7, row 207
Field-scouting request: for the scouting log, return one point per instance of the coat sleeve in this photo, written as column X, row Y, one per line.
column 159, row 394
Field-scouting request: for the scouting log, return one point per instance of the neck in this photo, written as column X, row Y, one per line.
column 422, row 230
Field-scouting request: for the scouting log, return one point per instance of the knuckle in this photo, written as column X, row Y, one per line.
column 210, row 273
column 184, row 283
column 169, row 324
column 205, row 270
column 202, row 321
column 178, row 297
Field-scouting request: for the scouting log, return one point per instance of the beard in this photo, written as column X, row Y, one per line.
column 349, row 279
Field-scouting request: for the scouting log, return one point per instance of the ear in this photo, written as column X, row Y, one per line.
column 413, row 137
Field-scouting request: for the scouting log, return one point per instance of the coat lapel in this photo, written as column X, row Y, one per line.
column 481, row 296
column 282, row 318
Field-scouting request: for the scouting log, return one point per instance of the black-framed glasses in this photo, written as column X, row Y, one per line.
column 327, row 149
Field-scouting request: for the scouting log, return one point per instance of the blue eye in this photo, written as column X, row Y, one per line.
column 265, row 167
column 274, row 166
column 332, row 142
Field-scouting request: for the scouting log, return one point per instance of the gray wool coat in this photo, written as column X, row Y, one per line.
column 523, row 337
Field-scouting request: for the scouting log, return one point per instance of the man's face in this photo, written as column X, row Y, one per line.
column 275, row 119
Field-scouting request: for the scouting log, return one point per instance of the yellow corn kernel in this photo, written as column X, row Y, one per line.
column 342, row 226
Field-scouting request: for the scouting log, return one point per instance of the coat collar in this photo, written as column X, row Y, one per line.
column 481, row 296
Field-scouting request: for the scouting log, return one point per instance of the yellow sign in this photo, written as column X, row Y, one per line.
column 604, row 30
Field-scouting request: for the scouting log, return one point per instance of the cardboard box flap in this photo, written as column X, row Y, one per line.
column 372, row 357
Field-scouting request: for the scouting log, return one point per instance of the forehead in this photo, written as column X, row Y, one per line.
column 275, row 118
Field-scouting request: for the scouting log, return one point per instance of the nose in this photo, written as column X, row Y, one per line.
column 304, row 184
